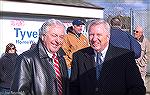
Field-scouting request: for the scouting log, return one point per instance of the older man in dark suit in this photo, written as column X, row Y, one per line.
column 103, row 69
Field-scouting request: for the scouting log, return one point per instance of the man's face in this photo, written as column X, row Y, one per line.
column 98, row 37
column 78, row 28
column 54, row 38
column 138, row 32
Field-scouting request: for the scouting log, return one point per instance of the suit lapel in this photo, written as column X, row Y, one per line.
column 107, row 64
column 62, row 66
column 46, row 61
column 89, row 53
column 62, row 63
column 89, row 64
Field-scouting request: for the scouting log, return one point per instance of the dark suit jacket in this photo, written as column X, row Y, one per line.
column 35, row 74
column 119, row 75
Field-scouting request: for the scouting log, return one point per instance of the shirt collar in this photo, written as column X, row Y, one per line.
column 50, row 54
column 103, row 52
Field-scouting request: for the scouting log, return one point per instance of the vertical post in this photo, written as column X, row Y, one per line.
column 132, row 21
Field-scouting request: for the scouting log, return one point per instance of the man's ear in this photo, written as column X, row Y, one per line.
column 42, row 37
column 108, row 36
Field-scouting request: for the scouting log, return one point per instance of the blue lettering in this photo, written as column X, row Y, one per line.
column 23, row 42
column 31, row 42
column 17, row 30
column 24, row 34
column 35, row 34
column 29, row 34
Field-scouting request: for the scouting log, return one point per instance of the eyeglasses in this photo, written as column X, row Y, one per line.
column 136, row 31
column 12, row 48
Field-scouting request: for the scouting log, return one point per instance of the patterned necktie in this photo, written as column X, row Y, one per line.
column 98, row 65
column 58, row 74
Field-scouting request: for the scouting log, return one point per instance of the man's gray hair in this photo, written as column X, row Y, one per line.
column 99, row 22
column 49, row 23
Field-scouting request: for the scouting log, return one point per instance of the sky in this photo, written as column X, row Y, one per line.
column 140, row 11
column 112, row 7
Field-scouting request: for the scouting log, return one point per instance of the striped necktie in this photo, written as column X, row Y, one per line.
column 58, row 74
column 98, row 64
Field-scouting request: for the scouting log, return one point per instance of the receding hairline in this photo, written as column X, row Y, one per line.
column 50, row 23
column 99, row 22
column 139, row 28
